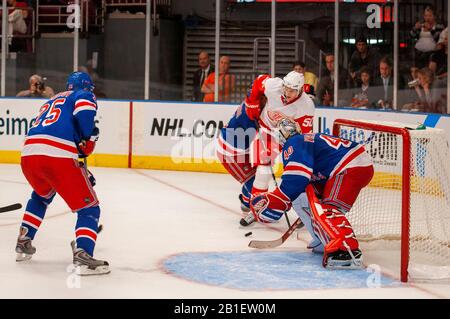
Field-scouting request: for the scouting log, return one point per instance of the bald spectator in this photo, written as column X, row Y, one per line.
column 200, row 75
column 37, row 88
column 226, row 82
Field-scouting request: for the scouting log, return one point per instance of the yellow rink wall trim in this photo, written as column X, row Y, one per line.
column 105, row 160
column 429, row 186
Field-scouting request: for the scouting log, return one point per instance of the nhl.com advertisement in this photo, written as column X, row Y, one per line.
column 173, row 133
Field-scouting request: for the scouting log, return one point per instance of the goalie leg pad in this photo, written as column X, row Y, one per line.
column 332, row 228
column 301, row 207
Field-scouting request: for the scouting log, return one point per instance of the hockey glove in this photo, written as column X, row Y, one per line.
column 269, row 207
column 86, row 147
column 252, row 109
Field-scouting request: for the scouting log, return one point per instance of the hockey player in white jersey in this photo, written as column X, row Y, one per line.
column 248, row 144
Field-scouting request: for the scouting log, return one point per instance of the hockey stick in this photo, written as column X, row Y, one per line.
column 264, row 244
column 10, row 208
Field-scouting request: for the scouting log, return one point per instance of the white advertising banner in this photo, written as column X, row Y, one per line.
column 178, row 130
column 16, row 116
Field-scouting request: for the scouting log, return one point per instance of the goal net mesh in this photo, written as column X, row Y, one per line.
column 377, row 214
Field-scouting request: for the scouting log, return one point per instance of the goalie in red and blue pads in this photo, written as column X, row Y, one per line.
column 332, row 171
column 63, row 132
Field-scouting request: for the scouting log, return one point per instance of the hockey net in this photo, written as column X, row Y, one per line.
column 402, row 219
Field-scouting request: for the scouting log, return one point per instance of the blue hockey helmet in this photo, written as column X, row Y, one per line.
column 79, row 81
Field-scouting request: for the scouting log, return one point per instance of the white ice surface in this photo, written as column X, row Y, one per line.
column 147, row 217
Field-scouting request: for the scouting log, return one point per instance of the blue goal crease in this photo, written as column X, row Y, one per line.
column 270, row 271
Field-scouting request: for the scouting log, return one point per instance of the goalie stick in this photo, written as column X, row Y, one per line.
column 10, row 208
column 264, row 244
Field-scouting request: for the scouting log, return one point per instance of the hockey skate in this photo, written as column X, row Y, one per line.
column 24, row 248
column 344, row 260
column 245, row 206
column 247, row 220
column 316, row 246
column 86, row 265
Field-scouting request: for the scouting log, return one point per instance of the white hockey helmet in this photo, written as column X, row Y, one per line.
column 294, row 80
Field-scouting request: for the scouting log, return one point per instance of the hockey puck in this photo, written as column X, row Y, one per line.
column 248, row 234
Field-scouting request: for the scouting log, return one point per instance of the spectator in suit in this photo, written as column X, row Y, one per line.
column 200, row 75
column 325, row 90
column 226, row 82
column 383, row 85
column 364, row 56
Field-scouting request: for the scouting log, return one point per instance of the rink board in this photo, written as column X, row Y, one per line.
column 168, row 135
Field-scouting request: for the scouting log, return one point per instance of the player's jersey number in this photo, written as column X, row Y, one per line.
column 53, row 114
column 335, row 142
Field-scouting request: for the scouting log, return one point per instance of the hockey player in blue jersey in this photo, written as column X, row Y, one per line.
column 63, row 132
column 332, row 171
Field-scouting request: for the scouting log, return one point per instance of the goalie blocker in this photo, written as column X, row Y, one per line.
column 332, row 171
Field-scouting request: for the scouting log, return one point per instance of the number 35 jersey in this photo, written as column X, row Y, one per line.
column 62, row 122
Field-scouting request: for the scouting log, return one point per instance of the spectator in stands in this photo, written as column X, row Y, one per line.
column 200, row 75
column 89, row 69
column 426, row 35
column 226, row 82
column 438, row 60
column 17, row 25
column 325, row 90
column 429, row 97
column 364, row 97
column 364, row 56
column 311, row 80
column 383, row 85
column 37, row 88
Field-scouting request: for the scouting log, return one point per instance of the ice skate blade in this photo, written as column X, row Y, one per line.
column 83, row 270
column 23, row 257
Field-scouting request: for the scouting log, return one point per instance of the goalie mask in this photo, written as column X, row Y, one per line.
column 292, row 82
column 286, row 129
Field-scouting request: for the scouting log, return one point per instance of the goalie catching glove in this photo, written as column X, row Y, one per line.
column 269, row 207
column 86, row 147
